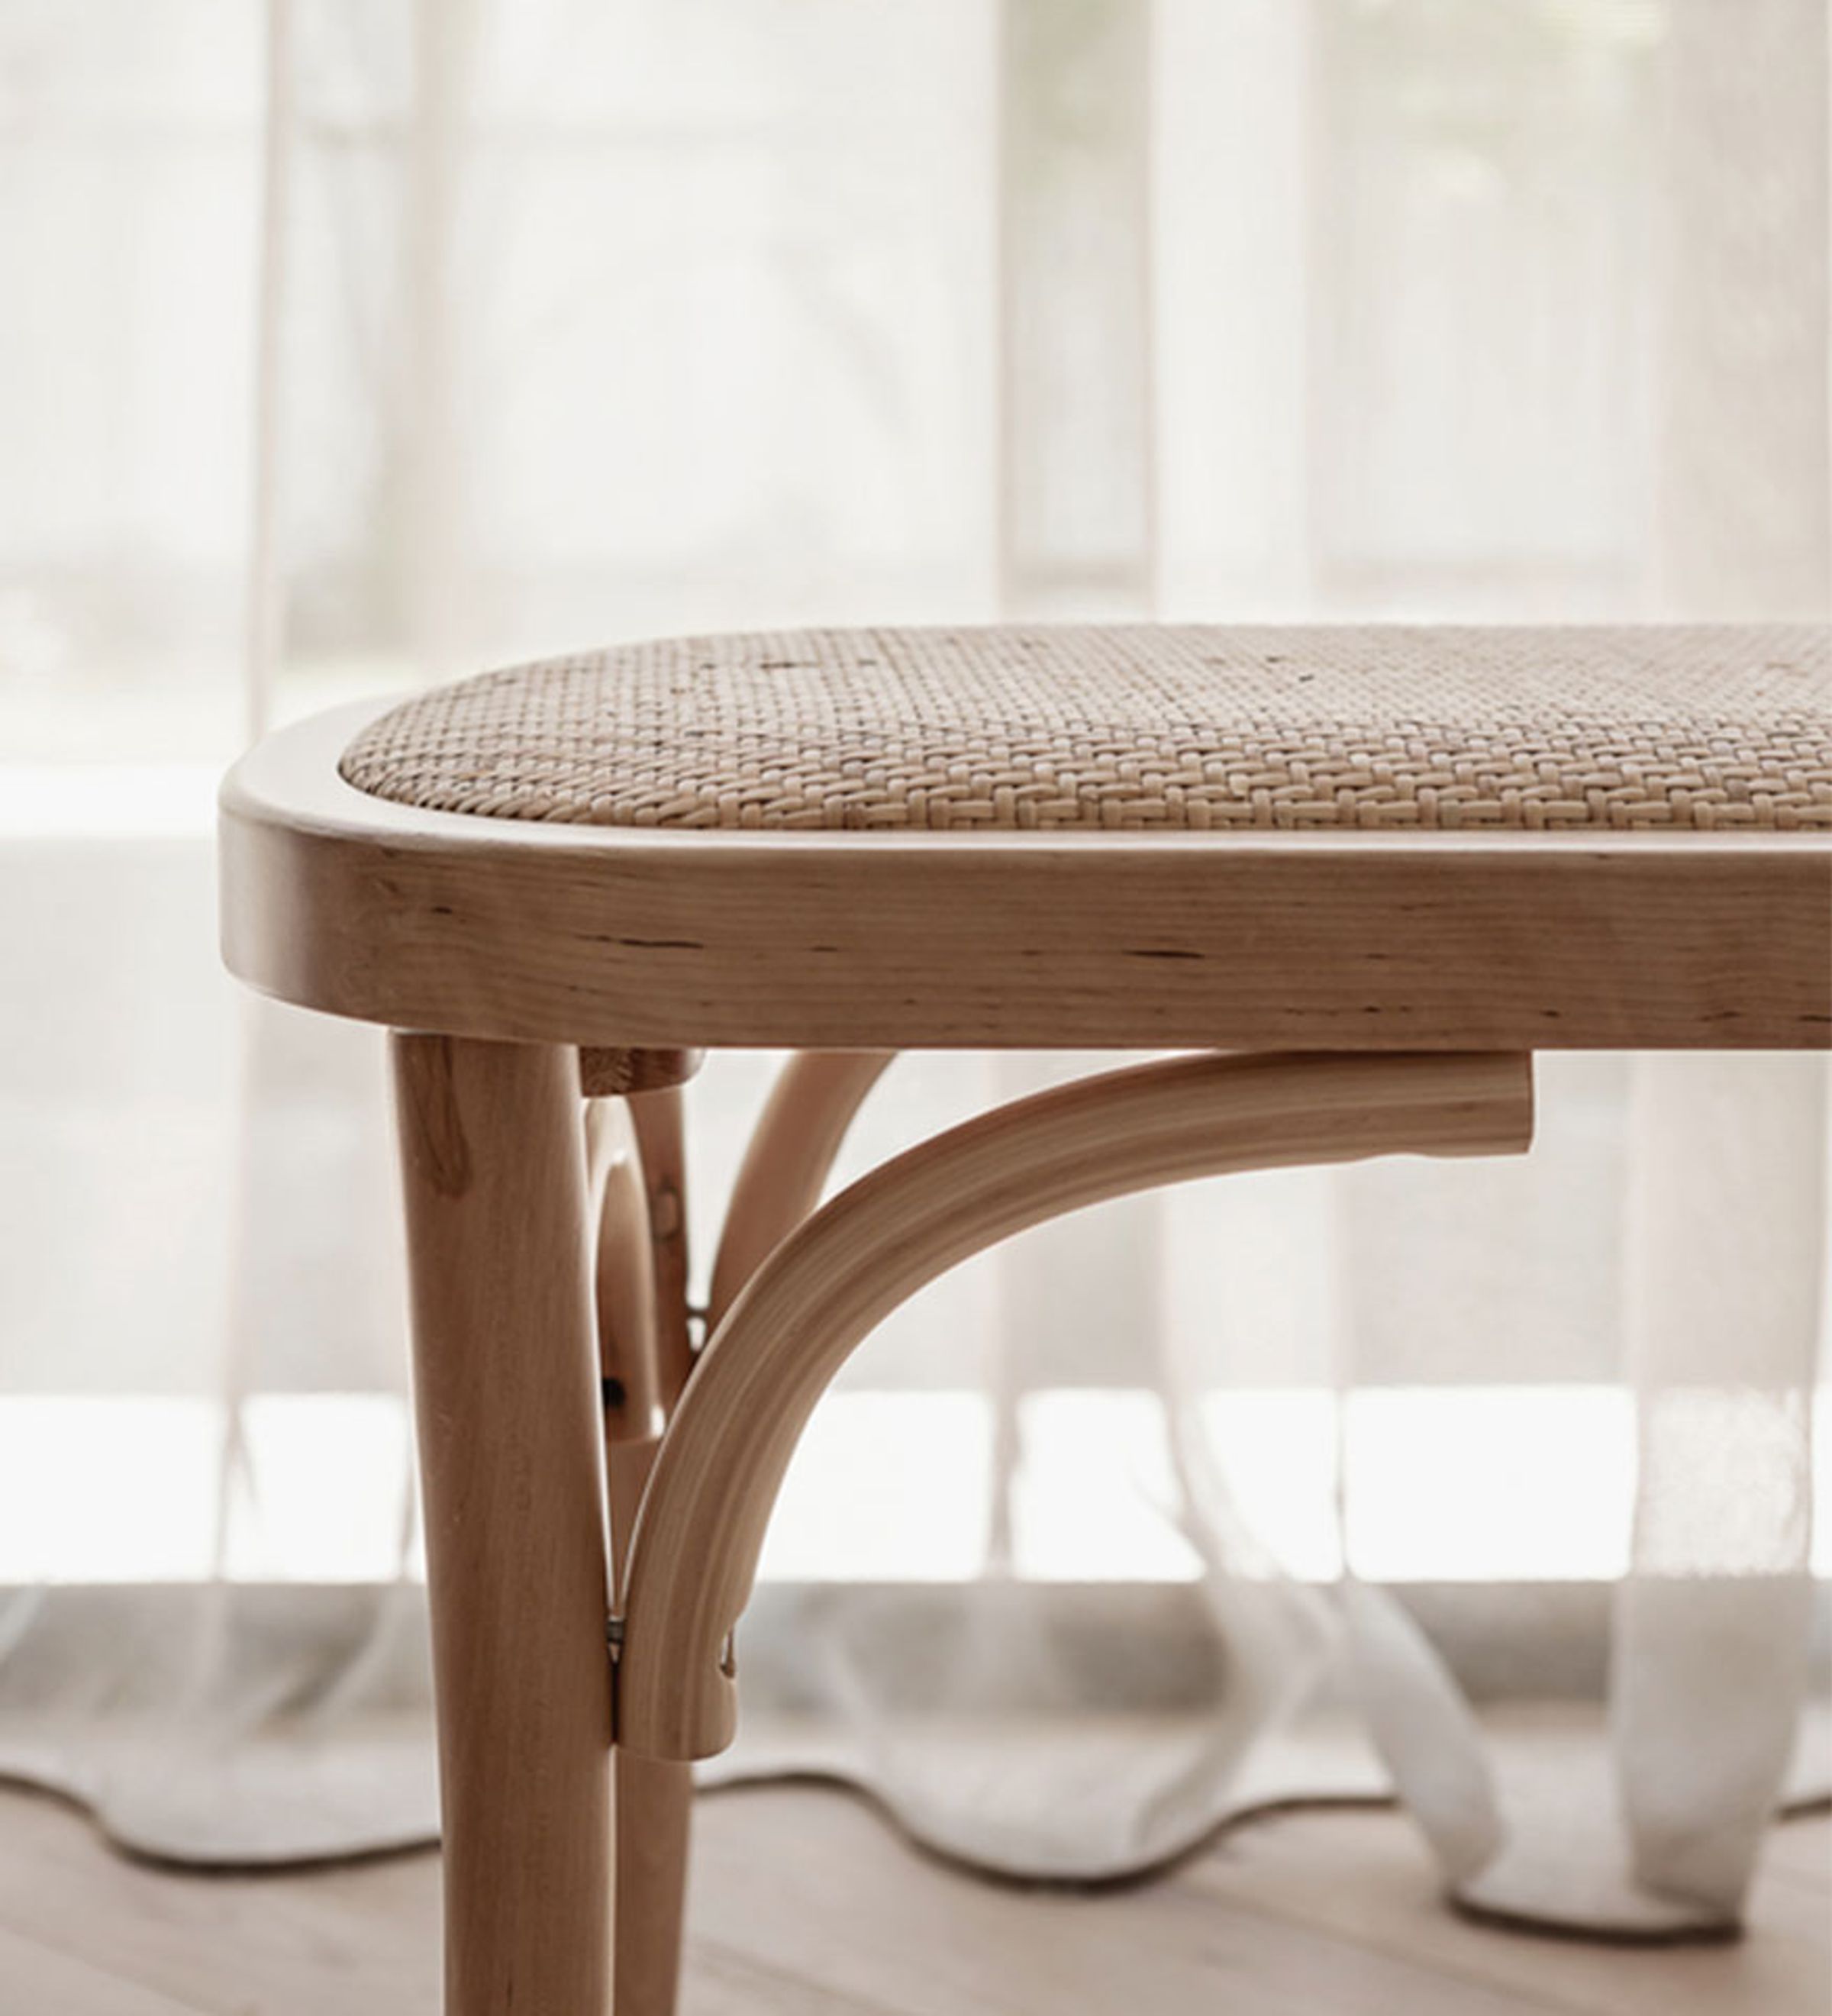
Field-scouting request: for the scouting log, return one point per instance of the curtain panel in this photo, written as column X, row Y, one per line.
column 348, row 347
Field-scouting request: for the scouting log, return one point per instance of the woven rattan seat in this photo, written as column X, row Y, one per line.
column 1135, row 728
column 1360, row 876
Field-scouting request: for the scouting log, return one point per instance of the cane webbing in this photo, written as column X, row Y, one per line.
column 1136, row 727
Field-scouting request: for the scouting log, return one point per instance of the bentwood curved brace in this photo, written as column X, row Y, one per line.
column 694, row 1553
column 1379, row 865
column 791, row 1153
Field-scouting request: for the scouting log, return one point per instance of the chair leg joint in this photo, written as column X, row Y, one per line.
column 614, row 1646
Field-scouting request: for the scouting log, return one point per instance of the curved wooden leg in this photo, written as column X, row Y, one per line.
column 694, row 1553
column 505, row 1389
column 797, row 1135
column 629, row 1365
column 661, row 1138
column 635, row 1160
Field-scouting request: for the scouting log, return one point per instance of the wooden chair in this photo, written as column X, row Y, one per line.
column 1377, row 868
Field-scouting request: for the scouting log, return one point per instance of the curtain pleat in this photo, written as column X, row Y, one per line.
column 417, row 337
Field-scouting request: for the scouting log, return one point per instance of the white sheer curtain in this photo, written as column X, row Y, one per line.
column 350, row 345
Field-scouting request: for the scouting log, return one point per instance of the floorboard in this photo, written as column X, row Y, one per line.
column 805, row 1903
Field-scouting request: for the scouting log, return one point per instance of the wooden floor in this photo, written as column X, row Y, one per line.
column 805, row 1902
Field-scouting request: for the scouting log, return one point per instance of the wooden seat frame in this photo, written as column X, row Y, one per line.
column 595, row 1496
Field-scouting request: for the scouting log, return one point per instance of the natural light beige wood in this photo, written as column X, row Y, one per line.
column 701, row 1527
column 631, row 939
column 790, row 1153
column 35, row 1976
column 661, row 1140
column 654, row 1805
column 554, row 960
column 806, row 1903
column 505, row 1390
column 611, row 1074
column 653, row 1796
column 635, row 1410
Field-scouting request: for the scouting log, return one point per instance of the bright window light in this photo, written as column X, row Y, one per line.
column 1093, row 1491
column 1508, row 1484
column 96, row 1490
column 885, row 1487
column 324, row 1495
column 108, row 800
column 1499, row 1483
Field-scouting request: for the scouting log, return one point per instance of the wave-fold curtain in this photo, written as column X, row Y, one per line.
column 352, row 346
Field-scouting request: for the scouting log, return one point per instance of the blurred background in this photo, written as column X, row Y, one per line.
column 347, row 344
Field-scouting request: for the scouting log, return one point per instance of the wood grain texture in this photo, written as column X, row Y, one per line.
column 660, row 1119
column 701, row 1527
column 614, row 1073
column 654, row 1808
column 35, row 1977
column 629, row 1360
column 652, row 1798
column 788, row 1160
column 512, row 1469
column 338, row 901
column 806, row 1904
